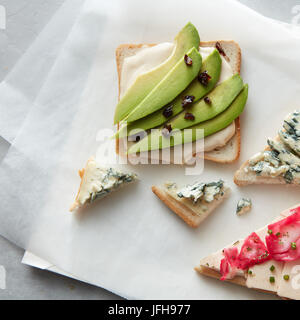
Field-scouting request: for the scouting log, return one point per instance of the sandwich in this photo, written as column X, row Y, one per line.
column 98, row 181
column 267, row 260
column 279, row 162
column 172, row 87
column 192, row 203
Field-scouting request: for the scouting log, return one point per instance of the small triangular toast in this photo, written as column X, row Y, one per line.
column 276, row 277
column 193, row 203
column 98, row 181
column 279, row 162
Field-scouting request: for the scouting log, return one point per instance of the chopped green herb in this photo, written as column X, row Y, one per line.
column 286, row 277
column 272, row 279
column 293, row 245
column 272, row 268
column 270, row 231
column 277, row 234
column 249, row 271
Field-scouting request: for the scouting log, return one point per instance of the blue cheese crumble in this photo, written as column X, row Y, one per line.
column 202, row 191
column 244, row 205
column 283, row 158
column 201, row 198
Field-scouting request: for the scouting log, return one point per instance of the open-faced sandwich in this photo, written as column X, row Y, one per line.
column 98, row 181
column 170, row 87
column 279, row 163
column 267, row 260
column 193, row 203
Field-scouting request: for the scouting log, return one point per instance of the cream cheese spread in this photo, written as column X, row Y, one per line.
column 145, row 59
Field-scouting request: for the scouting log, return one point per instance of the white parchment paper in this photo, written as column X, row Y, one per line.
column 20, row 88
column 129, row 242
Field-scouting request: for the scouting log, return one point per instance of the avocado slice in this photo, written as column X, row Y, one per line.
column 212, row 65
column 210, row 127
column 176, row 80
column 220, row 99
column 186, row 39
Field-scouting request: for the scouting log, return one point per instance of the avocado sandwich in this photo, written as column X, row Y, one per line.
column 169, row 87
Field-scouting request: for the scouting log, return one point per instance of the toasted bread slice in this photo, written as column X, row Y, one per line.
column 192, row 214
column 259, row 278
column 230, row 150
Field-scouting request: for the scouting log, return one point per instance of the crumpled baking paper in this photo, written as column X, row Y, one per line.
column 20, row 88
column 130, row 243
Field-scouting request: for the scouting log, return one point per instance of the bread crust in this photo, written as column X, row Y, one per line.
column 212, row 273
column 236, row 66
column 81, row 172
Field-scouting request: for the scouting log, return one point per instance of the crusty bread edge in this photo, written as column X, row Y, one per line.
column 239, row 280
column 81, row 172
column 237, row 68
column 206, row 156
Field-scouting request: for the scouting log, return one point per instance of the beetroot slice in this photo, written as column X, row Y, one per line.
column 228, row 265
column 252, row 252
column 283, row 240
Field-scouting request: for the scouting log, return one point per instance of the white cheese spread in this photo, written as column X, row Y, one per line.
column 145, row 59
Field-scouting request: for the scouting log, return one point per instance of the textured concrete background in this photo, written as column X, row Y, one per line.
column 25, row 19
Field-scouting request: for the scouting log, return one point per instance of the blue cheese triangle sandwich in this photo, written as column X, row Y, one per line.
column 98, row 181
column 193, row 203
column 279, row 162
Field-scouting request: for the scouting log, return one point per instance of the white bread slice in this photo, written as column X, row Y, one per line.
column 209, row 266
column 192, row 217
column 230, row 151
